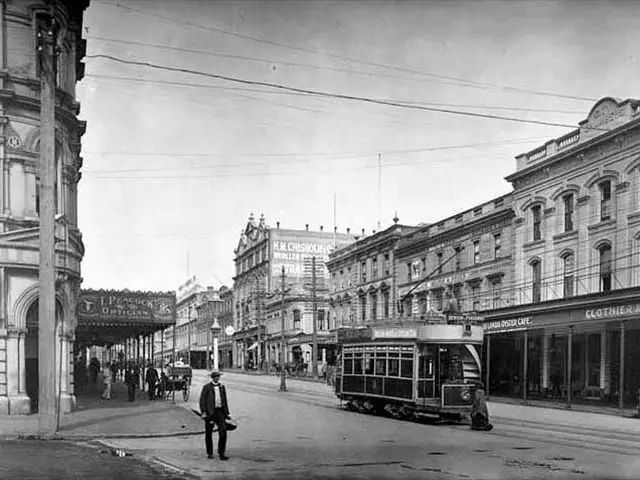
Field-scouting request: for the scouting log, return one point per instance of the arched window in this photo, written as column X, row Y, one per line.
column 604, row 188
column 536, row 280
column 605, row 265
column 568, row 265
column 536, row 216
column 568, row 201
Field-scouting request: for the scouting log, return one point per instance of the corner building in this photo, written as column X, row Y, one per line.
column 260, row 307
column 573, row 332
column 19, row 198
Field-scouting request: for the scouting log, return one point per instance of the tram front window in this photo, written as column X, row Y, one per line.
column 451, row 363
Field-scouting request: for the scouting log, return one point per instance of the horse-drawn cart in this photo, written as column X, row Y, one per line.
column 177, row 379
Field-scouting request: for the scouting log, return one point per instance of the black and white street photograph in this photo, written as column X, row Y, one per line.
column 319, row 239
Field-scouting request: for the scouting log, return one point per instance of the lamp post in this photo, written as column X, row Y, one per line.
column 215, row 332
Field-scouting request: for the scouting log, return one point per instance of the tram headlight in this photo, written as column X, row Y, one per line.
column 465, row 395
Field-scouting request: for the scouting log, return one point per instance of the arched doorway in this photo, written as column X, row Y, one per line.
column 31, row 352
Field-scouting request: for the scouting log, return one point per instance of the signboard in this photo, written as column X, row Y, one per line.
column 511, row 324
column 612, row 311
column 123, row 306
column 395, row 332
column 353, row 334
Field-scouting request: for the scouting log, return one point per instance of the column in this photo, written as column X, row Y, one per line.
column 18, row 403
column 622, row 366
column 569, row 347
column 545, row 360
column 22, row 374
column 525, row 365
column 67, row 399
column 488, row 365
column 603, row 361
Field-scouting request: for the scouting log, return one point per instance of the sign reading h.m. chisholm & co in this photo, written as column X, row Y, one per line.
column 123, row 306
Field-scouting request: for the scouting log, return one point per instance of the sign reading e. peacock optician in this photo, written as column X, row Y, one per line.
column 612, row 311
column 123, row 306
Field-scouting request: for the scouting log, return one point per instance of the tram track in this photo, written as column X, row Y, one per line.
column 611, row 441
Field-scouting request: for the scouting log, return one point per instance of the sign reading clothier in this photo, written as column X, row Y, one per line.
column 565, row 316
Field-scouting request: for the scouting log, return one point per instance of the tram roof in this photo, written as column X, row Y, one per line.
column 109, row 316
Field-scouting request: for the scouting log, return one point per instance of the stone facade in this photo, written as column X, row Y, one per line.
column 19, row 199
column 363, row 281
column 262, row 253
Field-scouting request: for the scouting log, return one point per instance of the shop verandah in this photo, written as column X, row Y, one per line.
column 117, row 328
column 586, row 351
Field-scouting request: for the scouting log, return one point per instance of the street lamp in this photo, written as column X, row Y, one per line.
column 215, row 332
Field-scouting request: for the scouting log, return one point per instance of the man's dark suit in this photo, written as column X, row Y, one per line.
column 215, row 415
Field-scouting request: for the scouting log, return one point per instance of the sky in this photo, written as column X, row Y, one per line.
column 175, row 162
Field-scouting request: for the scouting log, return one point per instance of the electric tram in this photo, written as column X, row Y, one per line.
column 429, row 369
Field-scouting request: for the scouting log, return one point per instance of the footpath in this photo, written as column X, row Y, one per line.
column 95, row 418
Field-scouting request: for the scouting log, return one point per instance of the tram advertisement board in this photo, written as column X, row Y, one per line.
column 123, row 306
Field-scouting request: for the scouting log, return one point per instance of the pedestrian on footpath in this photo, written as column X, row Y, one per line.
column 131, row 378
column 151, row 378
column 215, row 411
column 480, row 412
column 106, row 379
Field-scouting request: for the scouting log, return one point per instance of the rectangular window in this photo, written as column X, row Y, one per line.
column 423, row 266
column 363, row 309
column 497, row 245
column 393, row 367
column 374, row 307
column 439, row 260
column 568, row 212
column 381, row 366
column 406, row 370
column 296, row 319
column 475, row 296
column 536, row 275
column 476, row 252
column 387, row 270
column 567, row 275
column 320, row 319
column 605, row 200
column 363, row 271
column 457, row 259
column 496, row 286
column 408, row 271
column 438, row 296
column 605, row 269
column 535, row 214
column 374, row 267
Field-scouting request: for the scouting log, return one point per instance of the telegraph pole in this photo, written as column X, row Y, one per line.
column 283, row 385
column 46, row 288
column 189, row 337
column 314, row 351
column 258, row 322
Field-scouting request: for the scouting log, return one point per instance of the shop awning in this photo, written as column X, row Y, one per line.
column 106, row 317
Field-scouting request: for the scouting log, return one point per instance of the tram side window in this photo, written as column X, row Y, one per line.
column 407, row 368
column 394, row 367
column 357, row 365
column 369, row 363
column 348, row 366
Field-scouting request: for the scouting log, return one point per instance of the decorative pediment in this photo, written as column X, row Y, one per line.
column 253, row 233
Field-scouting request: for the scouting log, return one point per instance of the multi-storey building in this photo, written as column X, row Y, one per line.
column 265, row 259
column 460, row 263
column 574, row 331
column 225, row 319
column 20, row 22
column 362, row 287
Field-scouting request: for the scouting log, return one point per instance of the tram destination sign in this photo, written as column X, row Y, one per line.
column 118, row 306
column 353, row 334
column 395, row 332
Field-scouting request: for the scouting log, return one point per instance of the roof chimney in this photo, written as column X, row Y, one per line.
column 335, row 229
column 306, row 226
column 363, row 232
column 277, row 224
column 348, row 230
column 321, row 228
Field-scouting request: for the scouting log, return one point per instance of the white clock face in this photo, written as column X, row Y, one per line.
column 14, row 141
column 229, row 330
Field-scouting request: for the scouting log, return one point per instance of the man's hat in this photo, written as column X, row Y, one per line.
column 215, row 373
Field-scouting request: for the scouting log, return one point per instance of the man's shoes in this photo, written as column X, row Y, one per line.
column 210, row 455
column 224, row 457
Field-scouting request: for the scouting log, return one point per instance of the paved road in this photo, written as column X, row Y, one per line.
column 303, row 433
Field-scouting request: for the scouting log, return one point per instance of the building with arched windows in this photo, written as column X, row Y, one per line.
column 19, row 198
column 574, row 330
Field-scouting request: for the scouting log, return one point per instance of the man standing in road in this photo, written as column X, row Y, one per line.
column 151, row 379
column 215, row 410
column 106, row 379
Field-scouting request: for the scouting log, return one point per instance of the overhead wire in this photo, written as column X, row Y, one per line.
column 330, row 94
column 463, row 82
